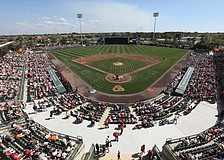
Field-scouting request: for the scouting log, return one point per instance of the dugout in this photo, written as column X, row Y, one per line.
column 184, row 82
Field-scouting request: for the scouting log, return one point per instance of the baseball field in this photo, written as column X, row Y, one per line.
column 119, row 69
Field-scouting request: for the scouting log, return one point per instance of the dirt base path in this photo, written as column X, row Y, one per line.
column 84, row 88
column 89, row 59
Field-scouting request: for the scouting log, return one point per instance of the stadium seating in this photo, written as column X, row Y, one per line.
column 205, row 145
column 11, row 69
column 18, row 133
column 121, row 114
column 29, row 139
column 40, row 84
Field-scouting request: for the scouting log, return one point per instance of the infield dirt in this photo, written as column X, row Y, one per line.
column 89, row 59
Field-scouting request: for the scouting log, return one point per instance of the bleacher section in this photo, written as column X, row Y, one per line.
column 40, row 84
column 164, row 110
column 92, row 111
column 205, row 145
column 29, row 139
column 121, row 114
column 11, row 69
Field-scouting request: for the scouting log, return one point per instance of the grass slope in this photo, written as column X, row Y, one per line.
column 140, row 80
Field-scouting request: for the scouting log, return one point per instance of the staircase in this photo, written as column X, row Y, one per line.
column 104, row 116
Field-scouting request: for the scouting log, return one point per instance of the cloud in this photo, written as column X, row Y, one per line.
column 98, row 16
column 114, row 16
column 46, row 25
column 23, row 25
column 20, row 23
column 64, row 23
column 62, row 19
column 46, row 18
column 95, row 21
column 49, row 22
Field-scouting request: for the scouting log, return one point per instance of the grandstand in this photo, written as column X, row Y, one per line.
column 39, row 120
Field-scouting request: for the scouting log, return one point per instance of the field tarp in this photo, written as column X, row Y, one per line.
column 184, row 82
column 57, row 82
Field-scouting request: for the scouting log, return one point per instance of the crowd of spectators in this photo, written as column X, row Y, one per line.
column 218, row 61
column 11, row 69
column 208, row 144
column 173, row 85
column 70, row 101
column 10, row 111
column 29, row 140
column 164, row 110
column 202, row 85
column 39, row 81
column 121, row 113
column 92, row 112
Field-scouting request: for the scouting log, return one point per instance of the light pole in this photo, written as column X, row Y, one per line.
column 79, row 16
column 156, row 14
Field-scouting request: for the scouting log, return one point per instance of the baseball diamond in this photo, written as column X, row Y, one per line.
column 139, row 66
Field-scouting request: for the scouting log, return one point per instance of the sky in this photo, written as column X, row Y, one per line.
column 60, row 16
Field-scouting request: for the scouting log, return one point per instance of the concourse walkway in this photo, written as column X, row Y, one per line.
column 201, row 118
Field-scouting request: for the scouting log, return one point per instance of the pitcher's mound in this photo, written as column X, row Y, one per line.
column 118, row 79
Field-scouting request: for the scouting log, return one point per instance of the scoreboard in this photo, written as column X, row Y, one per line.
column 116, row 40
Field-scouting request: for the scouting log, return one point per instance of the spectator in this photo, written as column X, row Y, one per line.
column 106, row 123
column 97, row 148
column 118, row 155
column 142, row 150
column 116, row 134
column 121, row 128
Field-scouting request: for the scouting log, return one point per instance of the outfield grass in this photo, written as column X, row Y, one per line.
column 128, row 65
column 140, row 80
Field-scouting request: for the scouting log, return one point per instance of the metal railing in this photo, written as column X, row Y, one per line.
column 157, row 151
column 78, row 140
column 23, row 78
column 91, row 154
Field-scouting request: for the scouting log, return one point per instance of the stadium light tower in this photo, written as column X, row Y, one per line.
column 79, row 16
column 156, row 14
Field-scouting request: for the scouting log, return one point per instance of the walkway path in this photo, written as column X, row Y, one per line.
column 201, row 118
